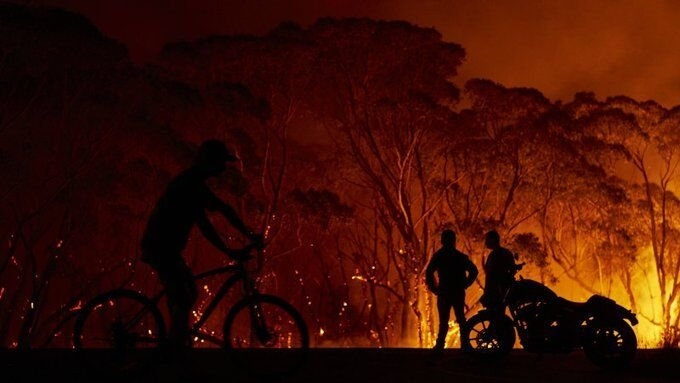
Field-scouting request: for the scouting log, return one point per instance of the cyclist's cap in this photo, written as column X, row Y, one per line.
column 215, row 151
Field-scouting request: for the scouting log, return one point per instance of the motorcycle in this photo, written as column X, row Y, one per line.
column 547, row 323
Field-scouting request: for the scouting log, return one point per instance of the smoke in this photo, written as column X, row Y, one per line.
column 559, row 47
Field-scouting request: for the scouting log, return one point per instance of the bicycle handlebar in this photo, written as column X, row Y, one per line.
column 243, row 254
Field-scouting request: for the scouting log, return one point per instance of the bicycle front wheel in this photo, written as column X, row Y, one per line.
column 119, row 320
column 267, row 336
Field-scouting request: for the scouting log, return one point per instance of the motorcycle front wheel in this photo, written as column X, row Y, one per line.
column 609, row 344
column 488, row 334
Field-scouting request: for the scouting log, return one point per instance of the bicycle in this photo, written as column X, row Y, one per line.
column 124, row 319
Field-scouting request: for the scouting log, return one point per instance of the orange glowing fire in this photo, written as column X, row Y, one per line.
column 649, row 312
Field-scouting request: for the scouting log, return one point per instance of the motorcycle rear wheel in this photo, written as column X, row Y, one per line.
column 610, row 344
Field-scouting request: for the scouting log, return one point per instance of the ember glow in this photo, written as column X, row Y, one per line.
column 354, row 157
column 649, row 311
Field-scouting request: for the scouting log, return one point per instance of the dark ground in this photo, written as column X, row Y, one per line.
column 339, row 365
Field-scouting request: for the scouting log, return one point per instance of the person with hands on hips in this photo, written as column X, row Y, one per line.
column 454, row 273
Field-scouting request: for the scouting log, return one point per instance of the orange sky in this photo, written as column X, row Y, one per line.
column 560, row 47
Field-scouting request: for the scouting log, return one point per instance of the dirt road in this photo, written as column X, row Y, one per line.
column 338, row 365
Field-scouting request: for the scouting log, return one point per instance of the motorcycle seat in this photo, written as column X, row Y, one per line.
column 571, row 304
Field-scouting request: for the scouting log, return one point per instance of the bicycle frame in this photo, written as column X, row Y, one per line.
column 239, row 273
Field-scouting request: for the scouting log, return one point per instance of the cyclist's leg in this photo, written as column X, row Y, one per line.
column 181, row 295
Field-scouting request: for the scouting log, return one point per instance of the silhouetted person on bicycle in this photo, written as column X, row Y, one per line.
column 183, row 205
column 499, row 268
column 455, row 273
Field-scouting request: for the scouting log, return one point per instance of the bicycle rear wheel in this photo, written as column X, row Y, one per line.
column 120, row 320
column 266, row 336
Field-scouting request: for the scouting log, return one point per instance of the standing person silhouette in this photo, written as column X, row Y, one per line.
column 455, row 273
column 499, row 269
column 183, row 204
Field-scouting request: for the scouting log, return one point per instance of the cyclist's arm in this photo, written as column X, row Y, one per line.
column 230, row 214
column 210, row 233
column 213, row 203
